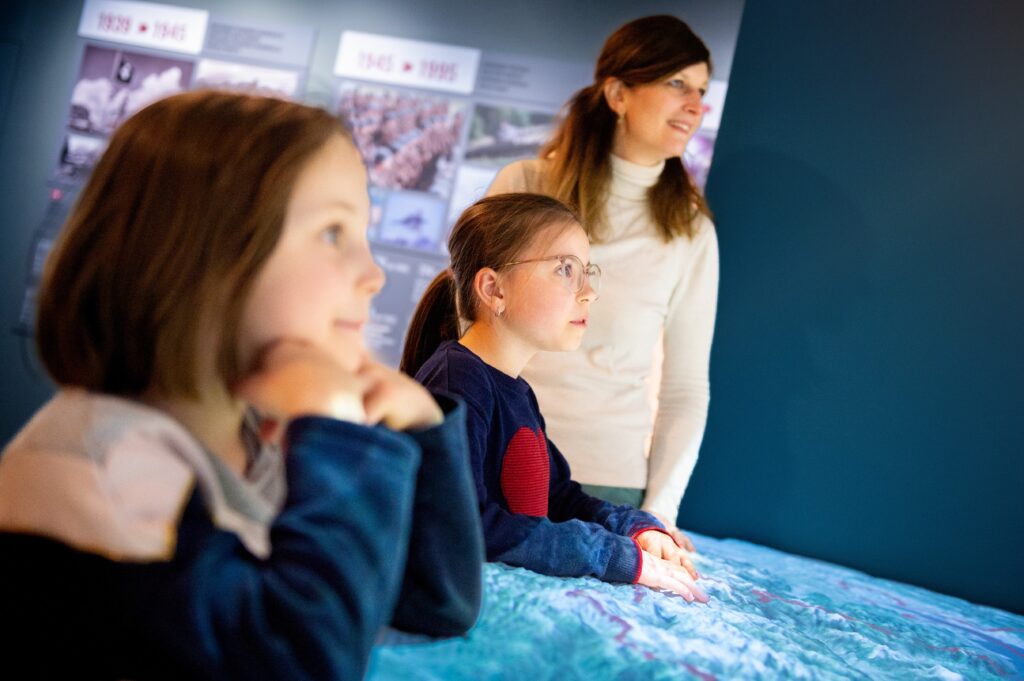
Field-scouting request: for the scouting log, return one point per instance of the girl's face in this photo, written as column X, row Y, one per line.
column 543, row 309
column 661, row 117
column 317, row 284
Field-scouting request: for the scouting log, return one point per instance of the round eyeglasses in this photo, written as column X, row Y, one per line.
column 571, row 270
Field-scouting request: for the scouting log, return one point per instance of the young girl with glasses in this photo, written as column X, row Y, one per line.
column 520, row 282
column 150, row 525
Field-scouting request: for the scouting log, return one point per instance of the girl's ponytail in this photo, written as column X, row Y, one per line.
column 436, row 320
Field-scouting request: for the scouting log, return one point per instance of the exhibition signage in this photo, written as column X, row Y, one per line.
column 433, row 122
column 162, row 27
column 411, row 63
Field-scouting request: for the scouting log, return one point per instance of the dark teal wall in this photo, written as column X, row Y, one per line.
column 869, row 353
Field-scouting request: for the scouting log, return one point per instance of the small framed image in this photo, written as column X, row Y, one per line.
column 408, row 140
column 113, row 84
column 257, row 80
column 499, row 135
column 413, row 220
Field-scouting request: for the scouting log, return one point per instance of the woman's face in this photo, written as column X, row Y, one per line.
column 317, row 284
column 658, row 119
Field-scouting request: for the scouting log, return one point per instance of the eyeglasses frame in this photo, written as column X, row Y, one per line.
column 587, row 269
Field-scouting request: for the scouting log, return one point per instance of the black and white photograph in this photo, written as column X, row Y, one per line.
column 413, row 220
column 499, row 135
column 114, row 84
column 408, row 140
column 256, row 80
column 78, row 155
column 471, row 183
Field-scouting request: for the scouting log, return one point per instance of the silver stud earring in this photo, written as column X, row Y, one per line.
column 499, row 312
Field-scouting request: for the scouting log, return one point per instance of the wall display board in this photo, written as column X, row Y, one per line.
column 135, row 53
column 434, row 122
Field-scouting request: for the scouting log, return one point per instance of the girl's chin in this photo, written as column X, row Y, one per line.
column 570, row 344
column 349, row 356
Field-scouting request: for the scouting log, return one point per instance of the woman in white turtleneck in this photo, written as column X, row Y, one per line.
column 616, row 159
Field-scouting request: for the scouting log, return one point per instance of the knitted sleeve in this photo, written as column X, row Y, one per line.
column 684, row 392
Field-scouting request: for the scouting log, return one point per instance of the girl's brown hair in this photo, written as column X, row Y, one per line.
column 640, row 52
column 178, row 217
column 490, row 233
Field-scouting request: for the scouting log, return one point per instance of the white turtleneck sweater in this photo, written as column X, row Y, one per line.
column 596, row 400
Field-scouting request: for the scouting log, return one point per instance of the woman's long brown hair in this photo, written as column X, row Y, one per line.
column 640, row 52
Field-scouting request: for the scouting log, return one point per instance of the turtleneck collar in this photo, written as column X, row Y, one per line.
column 631, row 181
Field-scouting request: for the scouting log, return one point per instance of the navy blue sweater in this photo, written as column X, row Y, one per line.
column 534, row 515
column 377, row 527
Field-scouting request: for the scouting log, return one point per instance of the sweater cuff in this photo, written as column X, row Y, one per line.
column 639, row 561
column 652, row 528
column 625, row 563
column 349, row 442
column 641, row 521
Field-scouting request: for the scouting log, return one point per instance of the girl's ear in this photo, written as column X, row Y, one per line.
column 615, row 95
column 488, row 291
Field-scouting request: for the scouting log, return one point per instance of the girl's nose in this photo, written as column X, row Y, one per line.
column 588, row 294
column 373, row 277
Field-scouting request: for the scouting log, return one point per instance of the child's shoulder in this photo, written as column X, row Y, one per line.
column 453, row 360
column 455, row 369
column 114, row 479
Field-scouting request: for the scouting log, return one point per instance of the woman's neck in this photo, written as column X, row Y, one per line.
column 626, row 149
column 498, row 348
column 215, row 420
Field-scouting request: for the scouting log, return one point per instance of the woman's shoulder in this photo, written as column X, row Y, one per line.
column 704, row 222
column 704, row 233
column 700, row 242
column 526, row 175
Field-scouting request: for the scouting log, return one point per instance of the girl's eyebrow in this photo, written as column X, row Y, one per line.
column 575, row 255
column 325, row 206
column 338, row 203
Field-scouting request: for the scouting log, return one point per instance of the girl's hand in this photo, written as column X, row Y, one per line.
column 663, row 546
column 681, row 539
column 658, row 573
column 294, row 378
column 396, row 400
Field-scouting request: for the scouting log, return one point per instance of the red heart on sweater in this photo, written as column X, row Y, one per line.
column 525, row 473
